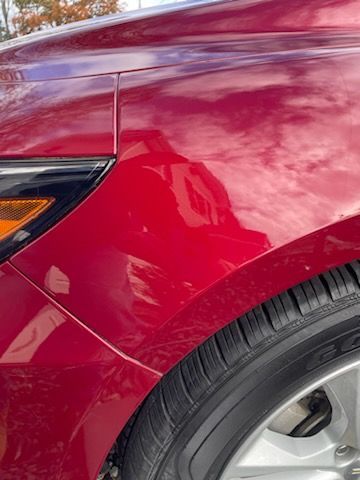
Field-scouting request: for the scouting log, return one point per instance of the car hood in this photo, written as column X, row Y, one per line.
column 110, row 44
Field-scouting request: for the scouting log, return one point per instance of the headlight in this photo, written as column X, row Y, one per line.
column 35, row 193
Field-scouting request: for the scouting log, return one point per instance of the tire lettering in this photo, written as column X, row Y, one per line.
column 322, row 356
column 351, row 343
column 345, row 343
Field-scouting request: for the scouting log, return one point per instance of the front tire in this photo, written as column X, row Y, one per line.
column 198, row 420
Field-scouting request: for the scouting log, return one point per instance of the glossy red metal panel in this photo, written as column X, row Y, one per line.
column 59, row 386
column 247, row 287
column 58, row 118
column 220, row 164
column 206, row 31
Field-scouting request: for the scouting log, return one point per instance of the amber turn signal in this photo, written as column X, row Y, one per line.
column 37, row 192
column 15, row 213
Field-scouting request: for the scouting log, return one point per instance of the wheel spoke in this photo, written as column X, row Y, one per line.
column 331, row 454
column 276, row 456
column 344, row 395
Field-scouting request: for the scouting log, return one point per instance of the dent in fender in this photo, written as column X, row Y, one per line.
column 220, row 164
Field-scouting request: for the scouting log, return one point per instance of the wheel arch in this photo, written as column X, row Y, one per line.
column 253, row 283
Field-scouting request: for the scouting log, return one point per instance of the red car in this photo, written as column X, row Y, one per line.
column 179, row 235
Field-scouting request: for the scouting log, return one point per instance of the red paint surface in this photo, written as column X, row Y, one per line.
column 59, row 386
column 59, row 118
column 225, row 29
column 237, row 177
column 218, row 165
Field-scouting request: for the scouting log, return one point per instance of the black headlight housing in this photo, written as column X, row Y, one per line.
column 36, row 193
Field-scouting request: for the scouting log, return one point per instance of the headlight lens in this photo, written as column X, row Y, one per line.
column 35, row 193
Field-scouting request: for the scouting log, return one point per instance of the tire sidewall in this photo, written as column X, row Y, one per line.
column 276, row 370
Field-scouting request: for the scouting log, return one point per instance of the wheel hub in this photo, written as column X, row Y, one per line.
column 313, row 436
